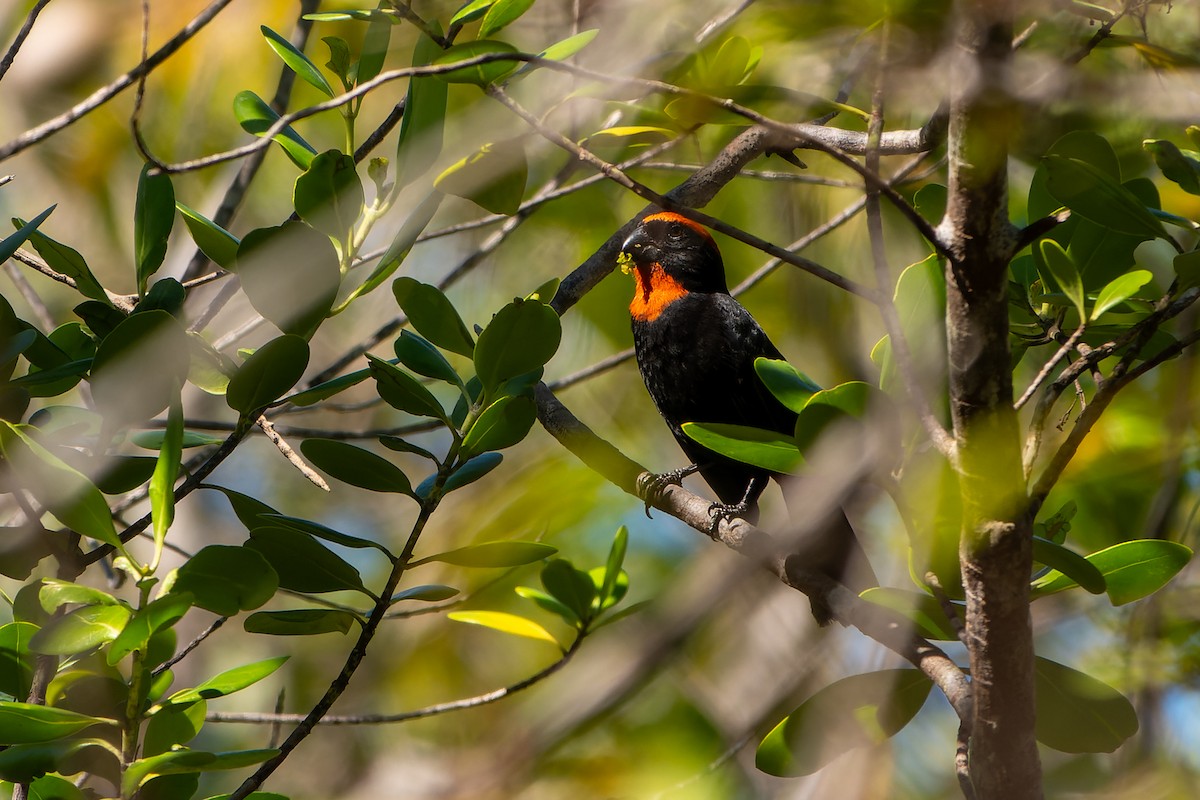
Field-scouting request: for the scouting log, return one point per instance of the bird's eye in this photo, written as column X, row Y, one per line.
column 675, row 233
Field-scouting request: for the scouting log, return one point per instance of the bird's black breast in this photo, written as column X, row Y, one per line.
column 697, row 361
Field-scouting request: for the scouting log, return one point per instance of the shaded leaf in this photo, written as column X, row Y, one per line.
column 789, row 386
column 1062, row 273
column 471, row 471
column 218, row 244
column 302, row 563
column 1077, row 713
column 153, row 218
column 356, row 466
column 12, row 243
column 1094, row 195
column 571, row 587
column 420, row 141
column 153, row 440
column 173, row 725
column 329, row 195
column 428, row 593
column 424, row 359
column 297, row 61
column 323, row 532
column 299, row 622
column 329, row 388
column 154, row 617
column 1120, row 289
column 501, row 14
column 433, row 316
column 923, row 610
column 166, row 470
column 502, row 424
column 266, row 376
column 479, row 74
column 256, row 117
column 226, row 580
column 139, row 367
column 66, row 260
column 175, row 762
column 402, row 391
column 521, row 337
column 1176, row 165
column 1187, row 267
column 17, row 661
column 290, row 274
column 493, row 554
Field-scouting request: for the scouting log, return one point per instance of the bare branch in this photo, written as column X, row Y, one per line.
column 291, row 455
column 21, row 36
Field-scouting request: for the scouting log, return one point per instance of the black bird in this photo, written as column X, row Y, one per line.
column 695, row 347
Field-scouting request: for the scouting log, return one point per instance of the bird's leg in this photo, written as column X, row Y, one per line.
column 729, row 511
column 650, row 486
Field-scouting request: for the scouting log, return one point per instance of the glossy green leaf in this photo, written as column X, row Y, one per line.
column 1132, row 570
column 17, row 661
column 66, row 260
column 322, row 532
column 1187, row 267
column 923, row 610
column 267, row 375
column 356, row 466
column 561, row 51
column 302, row 563
column 173, row 725
column 521, row 337
column 1095, row 196
column 57, row 486
column 789, row 386
column 53, row 787
column 329, row 195
column 12, row 243
column 471, row 471
column 297, row 61
column 153, row 218
column 433, row 316
column 403, row 446
column 505, row 623
column 290, row 274
column 228, row 682
column 362, row 14
column 1077, row 713
column 828, row 407
column 25, row 723
column 1120, row 289
column 502, row 14
column 770, row 450
column 853, row 712
column 256, row 117
column 208, row 369
column 30, row 763
column 493, row 177
column 424, row 359
column 339, row 58
column 479, row 74
column 471, row 11
column 55, row 593
column 166, row 470
column 165, row 294
column 226, row 580
column 139, row 367
column 153, row 440
column 494, row 554
column 175, row 762
column 329, row 388
column 570, row 586
column 218, row 244
column 299, row 622
column 1062, row 272
column 612, row 565
column 81, row 630
column 154, row 617
column 548, row 603
column 420, row 141
column 502, row 424
column 398, row 250
column 1182, row 167
column 402, row 391
column 426, row 593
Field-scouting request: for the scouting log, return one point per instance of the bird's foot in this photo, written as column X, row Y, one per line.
column 650, row 486
column 727, row 512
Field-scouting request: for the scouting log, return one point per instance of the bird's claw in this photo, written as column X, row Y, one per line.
column 727, row 512
column 650, row 486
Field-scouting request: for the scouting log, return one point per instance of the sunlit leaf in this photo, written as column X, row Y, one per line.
column 493, row 177
column 1120, row 289
column 501, row 14
column 505, row 623
column 770, row 450
column 494, row 554
column 1063, row 272
column 1132, row 570
column 789, row 386
column 81, row 630
column 521, row 337
column 218, row 244
column 256, row 117
column 297, row 61
column 228, row 682
column 154, row 617
column 182, row 760
column 502, row 424
column 923, row 610
column 479, row 74
column 26, row 723
column 329, row 195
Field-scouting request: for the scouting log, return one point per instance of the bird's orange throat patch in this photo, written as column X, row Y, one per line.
column 654, row 292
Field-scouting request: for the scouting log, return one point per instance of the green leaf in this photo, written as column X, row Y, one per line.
column 165, row 294
column 420, row 141
column 493, row 554
column 52, row 787
column 424, row 359
column 1077, row 713
column 502, row 424
column 173, row 725
column 139, row 367
column 479, row 74
column 66, row 260
column 401, row 446
column 923, row 610
column 154, row 617
column 562, row 50
column 63, row 490
column 854, row 712
column 25, row 723
column 1120, row 289
column 770, row 450
column 471, row 471
column 1095, row 196
column 11, row 243
column 228, row 682
column 225, row 580
column 402, row 391
column 612, row 566
column 176, row 762
column 521, row 337
column 1187, row 267
column 339, row 57
column 471, row 11
column 166, row 470
column 297, row 61
column 329, row 388
column 571, row 587
column 268, row 374
column 501, row 14
column 290, row 274
column 1063, row 273
column 24, row 763
column 54, row 593
column 81, row 630
column 433, row 316
column 153, row 218
column 830, row 406
column 356, row 466
column 256, row 117
column 493, row 177
column 505, row 623
column 329, row 195
column 322, row 532
column 299, row 622
column 304, row 564
column 789, row 386
column 374, row 49
column 548, row 603
column 17, row 661
column 398, row 250
column 1176, row 165
column 218, row 244
column 427, row 593
column 153, row 440
column 1132, row 570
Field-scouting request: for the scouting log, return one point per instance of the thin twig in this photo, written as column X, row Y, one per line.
column 190, row 646
column 291, row 455
column 22, row 34
column 1048, row 367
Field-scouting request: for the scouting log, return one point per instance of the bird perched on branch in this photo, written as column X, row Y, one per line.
column 695, row 347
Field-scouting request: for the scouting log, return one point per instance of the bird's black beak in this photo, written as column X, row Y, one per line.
column 640, row 248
